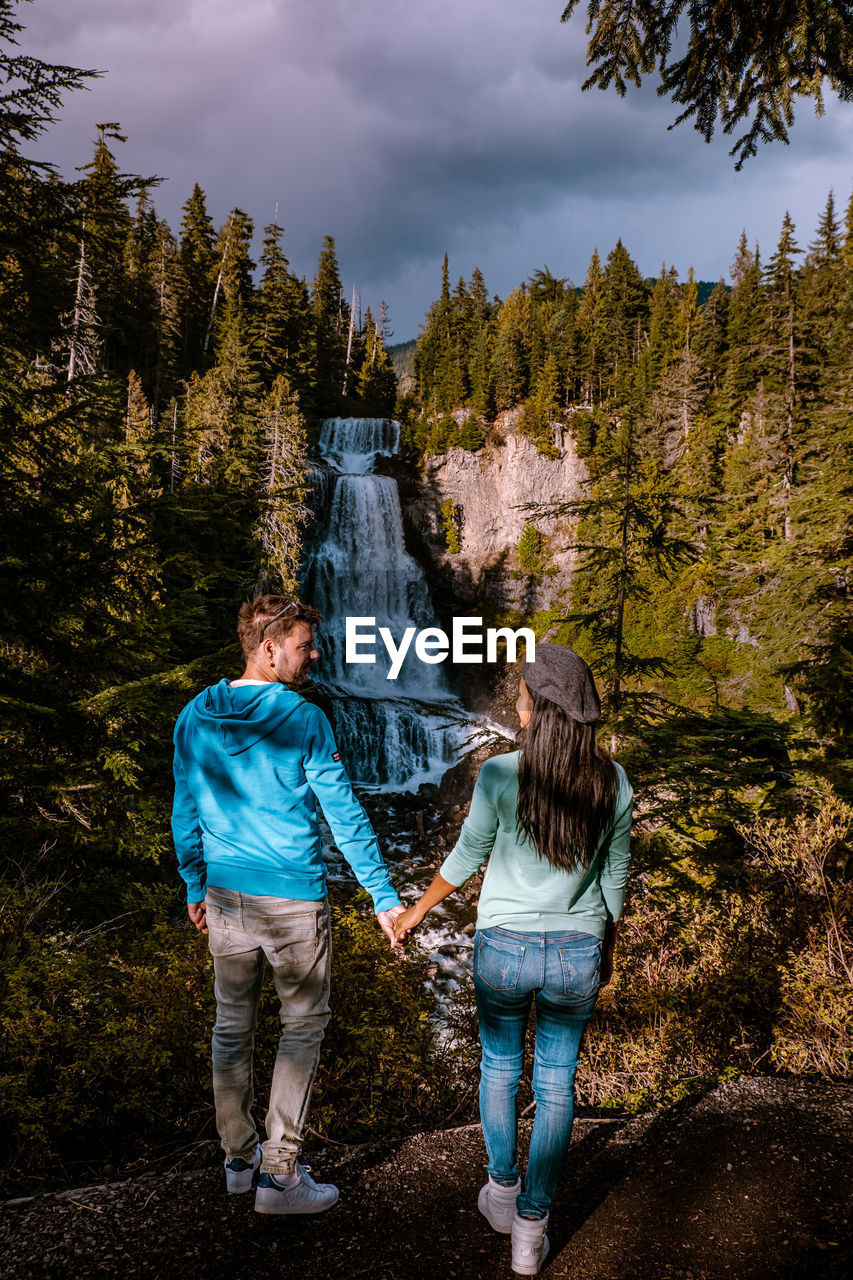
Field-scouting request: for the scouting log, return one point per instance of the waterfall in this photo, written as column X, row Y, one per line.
column 351, row 444
column 392, row 733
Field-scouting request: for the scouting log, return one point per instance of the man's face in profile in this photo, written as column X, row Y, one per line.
column 295, row 654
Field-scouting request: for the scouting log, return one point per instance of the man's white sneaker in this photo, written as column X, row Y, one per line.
column 497, row 1204
column 529, row 1244
column 301, row 1195
column 239, row 1173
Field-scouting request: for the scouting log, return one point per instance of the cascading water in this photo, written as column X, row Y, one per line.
column 393, row 734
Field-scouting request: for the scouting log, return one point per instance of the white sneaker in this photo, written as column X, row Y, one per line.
column 529, row 1244
column 239, row 1173
column 497, row 1204
column 302, row 1195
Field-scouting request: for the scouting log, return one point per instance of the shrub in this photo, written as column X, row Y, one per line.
column 531, row 550
column 105, row 1046
column 471, row 435
column 451, row 523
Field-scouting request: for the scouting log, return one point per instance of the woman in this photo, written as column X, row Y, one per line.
column 556, row 818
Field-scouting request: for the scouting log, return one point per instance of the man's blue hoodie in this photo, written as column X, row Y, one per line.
column 249, row 761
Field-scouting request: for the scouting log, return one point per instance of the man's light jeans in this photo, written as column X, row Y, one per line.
column 295, row 937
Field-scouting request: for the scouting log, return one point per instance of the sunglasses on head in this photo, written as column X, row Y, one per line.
column 280, row 614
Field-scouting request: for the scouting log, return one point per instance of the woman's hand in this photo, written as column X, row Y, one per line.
column 607, row 950
column 438, row 890
column 406, row 922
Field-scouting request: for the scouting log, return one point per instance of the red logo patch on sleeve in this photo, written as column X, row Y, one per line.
column 336, row 755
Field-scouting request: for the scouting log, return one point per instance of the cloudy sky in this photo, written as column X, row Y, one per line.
column 409, row 127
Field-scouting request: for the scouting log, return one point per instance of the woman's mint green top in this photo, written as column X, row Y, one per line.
column 523, row 891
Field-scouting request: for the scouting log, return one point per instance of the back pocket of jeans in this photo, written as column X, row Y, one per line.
column 499, row 963
column 581, row 966
column 292, row 939
column 218, row 931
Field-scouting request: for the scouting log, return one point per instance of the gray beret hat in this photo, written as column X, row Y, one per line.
column 561, row 676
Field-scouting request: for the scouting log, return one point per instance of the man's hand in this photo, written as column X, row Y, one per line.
column 197, row 912
column 407, row 921
column 387, row 920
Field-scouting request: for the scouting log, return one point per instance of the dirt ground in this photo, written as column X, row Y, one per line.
column 752, row 1182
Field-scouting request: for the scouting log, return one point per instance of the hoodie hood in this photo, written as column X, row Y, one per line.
column 241, row 717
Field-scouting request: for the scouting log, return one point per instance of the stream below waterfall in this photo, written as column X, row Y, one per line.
column 393, row 734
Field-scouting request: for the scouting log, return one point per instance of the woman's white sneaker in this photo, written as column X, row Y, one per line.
column 239, row 1173
column 529, row 1244
column 497, row 1204
column 297, row 1194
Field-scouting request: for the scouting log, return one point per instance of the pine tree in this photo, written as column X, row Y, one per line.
column 165, row 283
column 847, row 241
column 624, row 310
column 107, row 228
column 744, row 324
column 134, row 489
column 817, row 581
column 675, row 406
column 331, row 322
column 512, row 350
column 626, row 538
column 376, row 384
column 687, row 317
column 233, row 290
column 355, row 346
column 710, row 340
column 230, row 441
column 479, row 372
column 282, row 323
column 530, row 549
column 543, row 407
column 435, row 360
column 734, row 64
column 198, row 272
column 664, row 340
column 35, row 206
column 284, row 487
column 589, row 367
column 819, row 291
column 139, row 246
column 779, row 361
column 79, row 347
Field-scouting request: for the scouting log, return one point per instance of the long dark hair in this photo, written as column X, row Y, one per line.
column 566, row 787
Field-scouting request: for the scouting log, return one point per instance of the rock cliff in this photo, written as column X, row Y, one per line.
column 489, row 490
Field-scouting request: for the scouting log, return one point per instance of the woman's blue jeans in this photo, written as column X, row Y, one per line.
column 561, row 972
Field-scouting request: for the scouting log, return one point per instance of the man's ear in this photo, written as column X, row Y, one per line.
column 269, row 649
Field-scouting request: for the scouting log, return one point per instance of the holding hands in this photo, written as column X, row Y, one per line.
column 387, row 921
column 409, row 919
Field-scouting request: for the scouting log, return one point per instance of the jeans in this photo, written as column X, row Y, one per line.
column 561, row 971
column 295, row 937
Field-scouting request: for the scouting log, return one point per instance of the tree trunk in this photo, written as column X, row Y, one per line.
column 78, row 313
column 349, row 339
column 789, row 427
column 218, row 287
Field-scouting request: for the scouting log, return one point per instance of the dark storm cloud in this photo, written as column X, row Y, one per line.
column 407, row 129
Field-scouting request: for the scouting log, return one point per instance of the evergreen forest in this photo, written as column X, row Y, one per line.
column 160, row 392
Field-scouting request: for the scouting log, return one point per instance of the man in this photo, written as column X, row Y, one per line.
column 251, row 755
